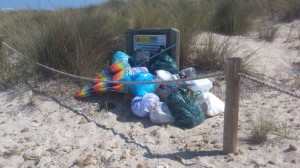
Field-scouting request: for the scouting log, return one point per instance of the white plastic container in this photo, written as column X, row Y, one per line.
column 200, row 85
column 188, row 72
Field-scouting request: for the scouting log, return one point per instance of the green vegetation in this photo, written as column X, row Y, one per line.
column 264, row 127
column 81, row 41
column 286, row 10
column 211, row 53
column 267, row 31
column 232, row 17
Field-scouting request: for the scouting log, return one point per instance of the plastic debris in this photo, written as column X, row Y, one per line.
column 140, row 106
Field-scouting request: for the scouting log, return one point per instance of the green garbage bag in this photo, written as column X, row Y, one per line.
column 163, row 62
column 185, row 110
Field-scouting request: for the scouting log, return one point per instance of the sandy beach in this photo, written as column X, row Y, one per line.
column 44, row 126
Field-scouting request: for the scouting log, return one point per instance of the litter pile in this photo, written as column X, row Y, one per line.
column 186, row 104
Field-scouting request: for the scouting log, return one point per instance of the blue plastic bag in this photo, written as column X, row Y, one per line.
column 120, row 56
column 140, row 89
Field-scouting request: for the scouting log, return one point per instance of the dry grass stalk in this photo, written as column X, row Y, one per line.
column 265, row 127
column 267, row 31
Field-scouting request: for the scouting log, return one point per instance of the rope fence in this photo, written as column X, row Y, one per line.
column 11, row 48
column 272, row 86
column 215, row 74
column 210, row 75
column 232, row 98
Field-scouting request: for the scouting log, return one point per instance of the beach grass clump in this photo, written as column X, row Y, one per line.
column 9, row 68
column 265, row 127
column 267, row 31
column 74, row 40
column 282, row 10
column 232, row 17
column 3, row 65
column 81, row 41
column 289, row 9
column 211, row 53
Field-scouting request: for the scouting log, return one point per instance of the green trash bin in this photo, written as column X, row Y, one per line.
column 150, row 40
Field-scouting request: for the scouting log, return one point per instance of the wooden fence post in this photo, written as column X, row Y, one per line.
column 232, row 101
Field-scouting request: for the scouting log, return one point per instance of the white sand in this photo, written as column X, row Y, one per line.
column 54, row 130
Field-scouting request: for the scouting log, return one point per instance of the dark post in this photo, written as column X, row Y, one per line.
column 0, row 42
column 232, row 101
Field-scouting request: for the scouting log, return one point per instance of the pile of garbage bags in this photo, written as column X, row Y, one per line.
column 186, row 104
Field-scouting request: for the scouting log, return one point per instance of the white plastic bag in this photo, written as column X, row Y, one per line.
column 140, row 106
column 213, row 104
column 164, row 75
column 160, row 114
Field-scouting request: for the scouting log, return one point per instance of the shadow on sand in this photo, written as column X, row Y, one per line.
column 119, row 110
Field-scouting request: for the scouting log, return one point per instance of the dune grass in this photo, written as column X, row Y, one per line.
column 281, row 10
column 81, row 41
column 288, row 10
column 232, row 17
column 265, row 127
column 211, row 53
column 77, row 41
column 267, row 31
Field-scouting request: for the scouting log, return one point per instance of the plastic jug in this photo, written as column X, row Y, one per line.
column 200, row 85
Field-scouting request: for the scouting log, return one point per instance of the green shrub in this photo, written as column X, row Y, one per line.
column 264, row 127
column 284, row 10
column 75, row 40
column 291, row 10
column 232, row 17
column 80, row 41
column 212, row 52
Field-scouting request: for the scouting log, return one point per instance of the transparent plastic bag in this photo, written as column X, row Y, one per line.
column 160, row 113
column 140, row 106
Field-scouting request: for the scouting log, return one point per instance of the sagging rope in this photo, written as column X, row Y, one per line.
column 215, row 74
column 14, row 50
column 270, row 85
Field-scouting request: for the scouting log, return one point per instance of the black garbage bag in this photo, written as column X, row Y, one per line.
column 185, row 110
column 163, row 62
